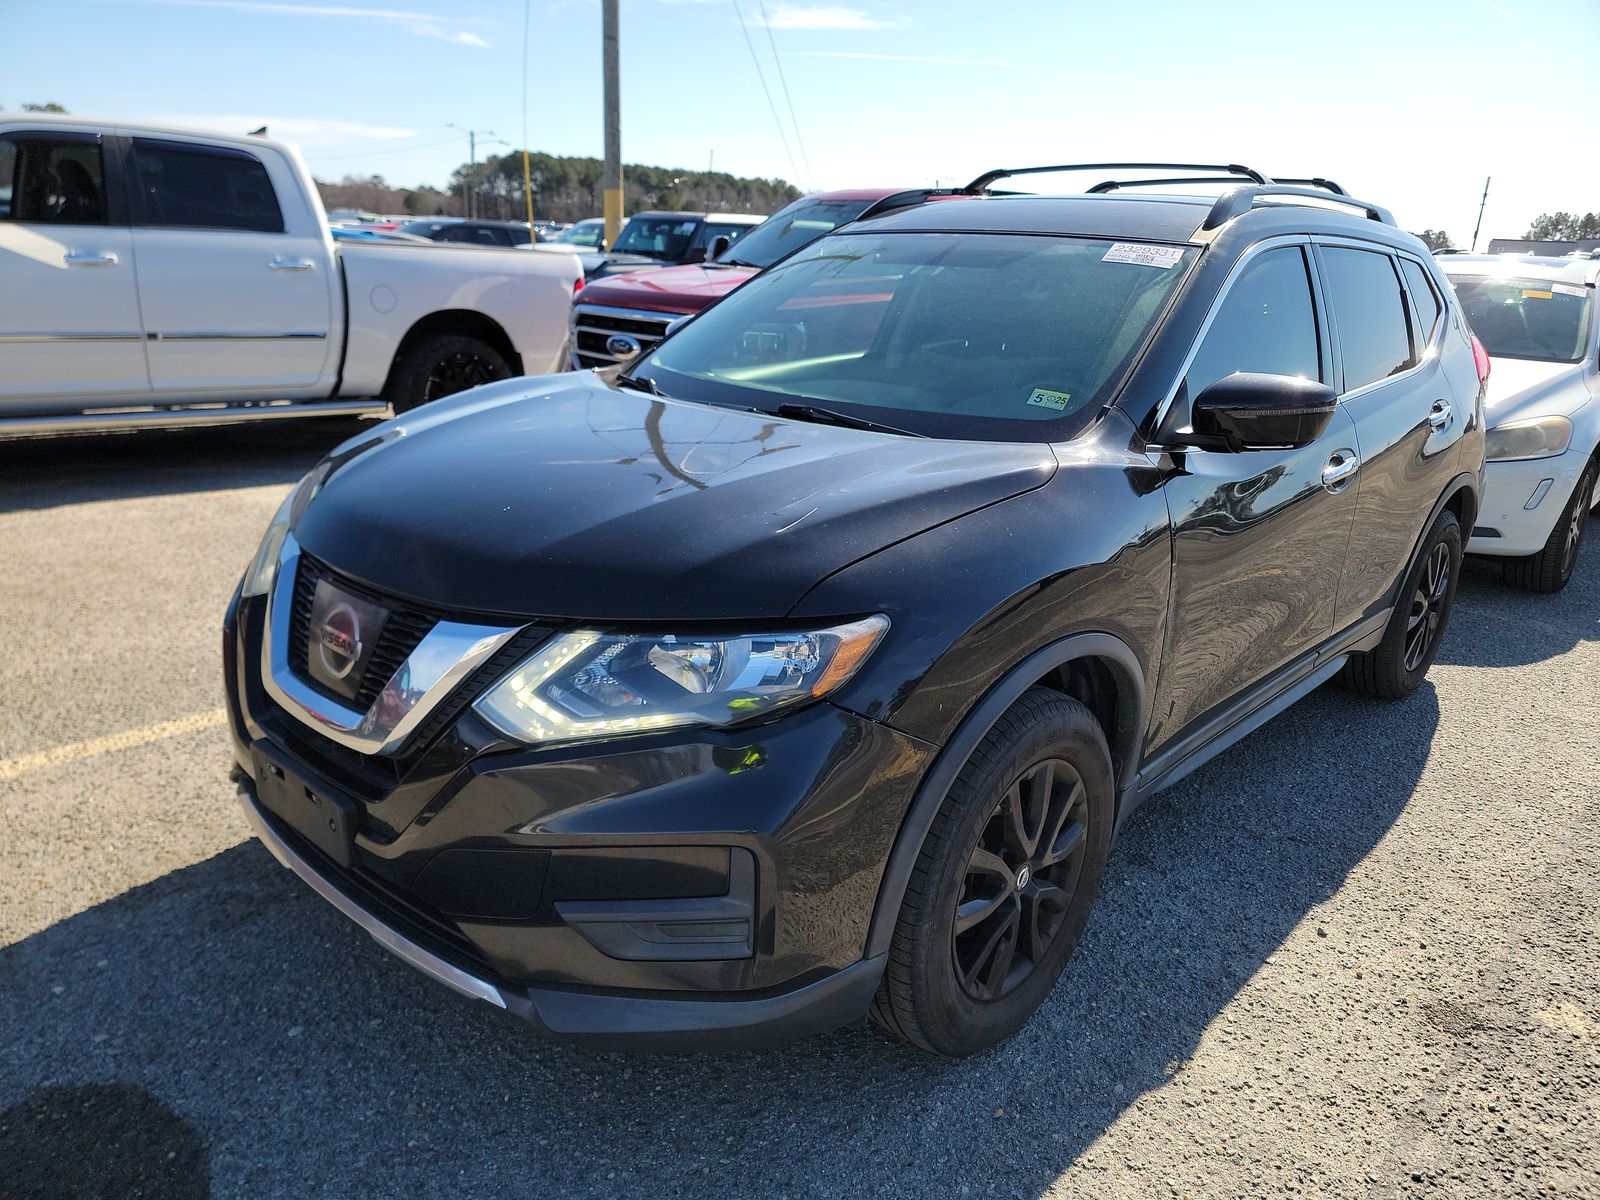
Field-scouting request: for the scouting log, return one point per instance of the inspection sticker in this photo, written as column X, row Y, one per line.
column 1049, row 399
column 1165, row 257
column 1567, row 289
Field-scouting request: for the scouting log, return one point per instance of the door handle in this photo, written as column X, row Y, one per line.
column 1340, row 469
column 291, row 264
column 74, row 259
column 1439, row 414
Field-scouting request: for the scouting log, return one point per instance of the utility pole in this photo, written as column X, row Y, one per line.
column 472, row 161
column 611, row 173
column 1479, row 225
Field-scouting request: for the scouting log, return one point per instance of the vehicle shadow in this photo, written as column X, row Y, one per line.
column 1520, row 628
column 52, row 472
column 306, row 1061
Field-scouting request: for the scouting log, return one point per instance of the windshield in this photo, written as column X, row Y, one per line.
column 584, row 233
column 801, row 222
column 997, row 337
column 1527, row 318
column 657, row 237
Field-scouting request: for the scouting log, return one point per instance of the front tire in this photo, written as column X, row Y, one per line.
column 432, row 368
column 1397, row 665
column 1551, row 568
column 999, row 895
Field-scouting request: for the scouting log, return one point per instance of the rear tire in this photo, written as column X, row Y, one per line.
column 432, row 368
column 1397, row 665
column 1000, row 892
column 1551, row 568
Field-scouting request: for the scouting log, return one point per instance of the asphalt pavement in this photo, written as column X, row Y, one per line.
column 1358, row 955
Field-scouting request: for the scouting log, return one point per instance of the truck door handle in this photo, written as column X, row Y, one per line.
column 1340, row 469
column 74, row 259
column 1439, row 414
column 291, row 264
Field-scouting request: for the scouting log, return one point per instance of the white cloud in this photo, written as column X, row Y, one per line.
column 422, row 24
column 830, row 16
column 904, row 58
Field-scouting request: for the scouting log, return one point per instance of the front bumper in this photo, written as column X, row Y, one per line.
column 703, row 888
column 1522, row 500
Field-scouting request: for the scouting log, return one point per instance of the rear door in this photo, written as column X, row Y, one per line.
column 1407, row 425
column 1258, row 537
column 233, row 272
column 70, row 334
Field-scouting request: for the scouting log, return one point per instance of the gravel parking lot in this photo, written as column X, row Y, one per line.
column 1356, row 956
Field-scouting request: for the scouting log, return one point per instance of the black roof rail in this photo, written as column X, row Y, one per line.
column 1116, row 185
column 909, row 198
column 1327, row 185
column 1242, row 199
column 1230, row 171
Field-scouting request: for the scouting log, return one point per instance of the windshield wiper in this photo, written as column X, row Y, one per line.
column 640, row 383
column 828, row 416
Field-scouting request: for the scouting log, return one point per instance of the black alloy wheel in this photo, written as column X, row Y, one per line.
column 456, row 373
column 1020, row 880
column 1426, row 619
column 435, row 367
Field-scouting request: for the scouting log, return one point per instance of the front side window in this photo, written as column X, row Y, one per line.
column 790, row 228
column 1527, row 318
column 1266, row 324
column 996, row 337
column 189, row 186
column 657, row 237
column 1374, row 336
column 52, row 181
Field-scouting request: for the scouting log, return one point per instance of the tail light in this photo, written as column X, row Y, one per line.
column 577, row 286
column 1480, row 358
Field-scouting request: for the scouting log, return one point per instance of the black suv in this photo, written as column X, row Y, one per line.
column 472, row 231
column 809, row 665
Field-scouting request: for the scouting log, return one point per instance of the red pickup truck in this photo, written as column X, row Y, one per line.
column 632, row 312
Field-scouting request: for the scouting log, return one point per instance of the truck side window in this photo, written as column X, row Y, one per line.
column 1266, row 324
column 202, row 187
column 52, row 181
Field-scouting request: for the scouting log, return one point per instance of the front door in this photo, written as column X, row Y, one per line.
column 1258, row 537
column 70, row 333
column 233, row 280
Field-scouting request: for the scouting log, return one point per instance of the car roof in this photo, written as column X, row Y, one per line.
column 1149, row 217
column 1523, row 266
column 468, row 221
column 736, row 218
column 136, row 128
column 858, row 194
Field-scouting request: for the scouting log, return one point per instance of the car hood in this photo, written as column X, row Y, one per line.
column 669, row 289
column 1520, row 388
column 567, row 497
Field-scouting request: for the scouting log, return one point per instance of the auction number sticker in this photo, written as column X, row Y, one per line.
column 1165, row 257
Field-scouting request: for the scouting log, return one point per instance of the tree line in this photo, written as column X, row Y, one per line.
column 564, row 189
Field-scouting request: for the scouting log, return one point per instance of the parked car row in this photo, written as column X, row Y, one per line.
column 802, row 661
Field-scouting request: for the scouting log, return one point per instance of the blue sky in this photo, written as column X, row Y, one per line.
column 1406, row 102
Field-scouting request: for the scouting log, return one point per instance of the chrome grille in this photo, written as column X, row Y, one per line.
column 592, row 324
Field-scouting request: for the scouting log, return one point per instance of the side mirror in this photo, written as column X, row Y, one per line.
column 1262, row 412
column 719, row 247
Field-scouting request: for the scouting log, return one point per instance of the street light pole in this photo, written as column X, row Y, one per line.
column 472, row 161
column 611, row 173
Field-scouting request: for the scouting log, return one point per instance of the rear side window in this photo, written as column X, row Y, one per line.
column 1374, row 337
column 1424, row 300
column 203, row 187
column 52, row 181
column 1266, row 324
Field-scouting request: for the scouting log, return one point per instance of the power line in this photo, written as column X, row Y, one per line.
column 811, row 179
column 377, row 153
column 761, row 75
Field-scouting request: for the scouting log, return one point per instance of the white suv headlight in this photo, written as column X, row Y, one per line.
column 583, row 686
column 1540, row 437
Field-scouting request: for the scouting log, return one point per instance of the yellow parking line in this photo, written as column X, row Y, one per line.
column 10, row 768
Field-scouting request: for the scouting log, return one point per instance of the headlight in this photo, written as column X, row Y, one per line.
column 263, row 568
column 1542, row 437
column 583, row 686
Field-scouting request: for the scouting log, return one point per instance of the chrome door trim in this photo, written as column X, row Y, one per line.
column 73, row 259
column 71, row 337
column 390, row 939
column 205, row 335
column 450, row 652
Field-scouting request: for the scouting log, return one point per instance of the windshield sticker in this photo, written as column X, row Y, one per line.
column 1049, row 399
column 1530, row 294
column 1165, row 257
column 1567, row 289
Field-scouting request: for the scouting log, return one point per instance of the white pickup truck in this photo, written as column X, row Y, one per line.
column 153, row 276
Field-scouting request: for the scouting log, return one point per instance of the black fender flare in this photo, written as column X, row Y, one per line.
column 1125, row 742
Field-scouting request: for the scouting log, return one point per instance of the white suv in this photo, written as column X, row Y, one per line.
column 1536, row 318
